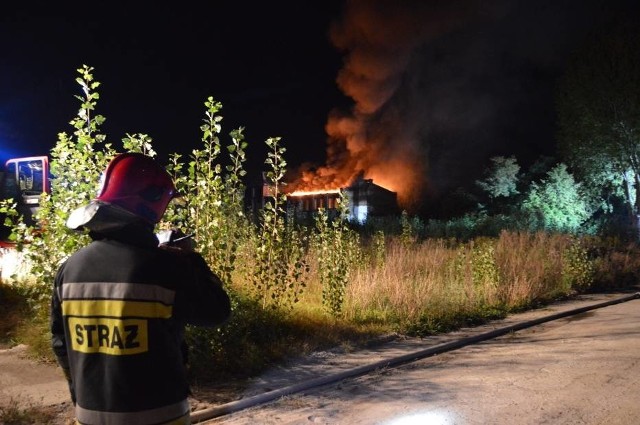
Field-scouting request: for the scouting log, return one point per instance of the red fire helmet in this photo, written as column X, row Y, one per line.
column 138, row 184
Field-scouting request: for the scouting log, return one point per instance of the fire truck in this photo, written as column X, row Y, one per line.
column 24, row 180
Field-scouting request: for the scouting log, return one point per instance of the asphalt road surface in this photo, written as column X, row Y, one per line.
column 581, row 369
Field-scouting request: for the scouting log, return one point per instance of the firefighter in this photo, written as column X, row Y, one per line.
column 120, row 304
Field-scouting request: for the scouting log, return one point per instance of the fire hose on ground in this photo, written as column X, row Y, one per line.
column 235, row 406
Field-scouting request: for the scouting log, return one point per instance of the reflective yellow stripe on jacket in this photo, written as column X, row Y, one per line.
column 116, row 308
column 112, row 318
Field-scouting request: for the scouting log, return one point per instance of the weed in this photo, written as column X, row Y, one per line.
column 15, row 413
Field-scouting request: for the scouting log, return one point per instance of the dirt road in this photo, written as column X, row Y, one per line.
column 581, row 369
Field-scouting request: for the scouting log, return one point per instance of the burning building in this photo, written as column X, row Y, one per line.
column 365, row 199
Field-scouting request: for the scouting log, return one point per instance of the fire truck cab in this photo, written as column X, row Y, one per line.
column 24, row 180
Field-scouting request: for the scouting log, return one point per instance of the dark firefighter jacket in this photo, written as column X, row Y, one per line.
column 117, row 320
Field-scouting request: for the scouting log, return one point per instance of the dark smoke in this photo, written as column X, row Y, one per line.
column 439, row 87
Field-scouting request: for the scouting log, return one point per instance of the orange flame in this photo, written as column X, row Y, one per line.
column 382, row 137
column 313, row 192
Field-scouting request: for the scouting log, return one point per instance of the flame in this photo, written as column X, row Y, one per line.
column 399, row 174
column 384, row 135
column 376, row 139
column 313, row 192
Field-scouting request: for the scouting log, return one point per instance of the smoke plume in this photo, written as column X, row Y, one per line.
column 440, row 86
column 381, row 137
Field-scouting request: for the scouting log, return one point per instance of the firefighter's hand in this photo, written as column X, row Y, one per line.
column 176, row 239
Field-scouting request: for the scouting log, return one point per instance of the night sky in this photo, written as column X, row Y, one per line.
column 270, row 64
column 417, row 95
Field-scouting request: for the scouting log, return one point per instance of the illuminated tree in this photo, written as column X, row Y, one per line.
column 500, row 184
column 502, row 177
column 557, row 202
column 599, row 116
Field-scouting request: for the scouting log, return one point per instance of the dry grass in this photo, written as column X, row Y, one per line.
column 440, row 277
column 617, row 269
column 416, row 288
column 407, row 281
column 17, row 413
column 531, row 266
column 440, row 284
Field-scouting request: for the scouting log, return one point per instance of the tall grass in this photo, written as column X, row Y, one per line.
column 437, row 283
column 417, row 288
column 531, row 267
